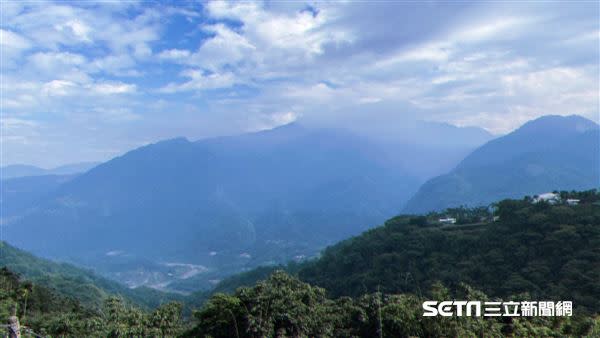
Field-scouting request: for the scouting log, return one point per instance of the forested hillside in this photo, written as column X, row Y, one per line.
column 283, row 306
column 543, row 250
column 280, row 306
column 46, row 312
column 86, row 287
column 372, row 285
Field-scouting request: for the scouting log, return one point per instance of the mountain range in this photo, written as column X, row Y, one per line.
column 22, row 170
column 549, row 153
column 215, row 207
column 221, row 205
column 21, row 193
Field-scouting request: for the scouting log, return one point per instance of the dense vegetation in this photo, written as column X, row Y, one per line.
column 369, row 286
column 548, row 251
column 283, row 306
column 45, row 312
column 85, row 286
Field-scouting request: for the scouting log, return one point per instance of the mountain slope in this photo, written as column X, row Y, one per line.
column 222, row 205
column 21, row 193
column 219, row 204
column 71, row 281
column 552, row 152
column 548, row 251
column 21, row 170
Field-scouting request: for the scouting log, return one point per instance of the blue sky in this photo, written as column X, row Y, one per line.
column 87, row 81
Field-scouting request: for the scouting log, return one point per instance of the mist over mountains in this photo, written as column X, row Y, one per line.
column 21, row 193
column 22, row 170
column 230, row 203
column 23, row 186
column 551, row 152
column 218, row 206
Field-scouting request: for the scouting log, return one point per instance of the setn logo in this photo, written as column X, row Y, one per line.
column 450, row 308
column 494, row 308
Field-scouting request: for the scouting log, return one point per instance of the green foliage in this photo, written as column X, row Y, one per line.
column 379, row 280
column 548, row 251
column 283, row 306
column 74, row 282
column 46, row 312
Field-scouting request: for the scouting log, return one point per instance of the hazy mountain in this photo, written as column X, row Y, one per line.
column 21, row 170
column 225, row 203
column 21, row 193
column 23, row 186
column 551, row 152
column 423, row 148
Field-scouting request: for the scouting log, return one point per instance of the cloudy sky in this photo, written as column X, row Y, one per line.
column 84, row 81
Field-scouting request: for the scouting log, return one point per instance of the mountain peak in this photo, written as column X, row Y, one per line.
column 558, row 124
column 175, row 140
column 289, row 128
column 549, row 153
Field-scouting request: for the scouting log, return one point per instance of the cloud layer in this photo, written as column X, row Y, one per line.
column 84, row 81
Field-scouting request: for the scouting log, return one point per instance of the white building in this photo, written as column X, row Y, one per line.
column 448, row 220
column 572, row 201
column 548, row 197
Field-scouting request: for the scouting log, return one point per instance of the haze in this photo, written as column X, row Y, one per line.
column 87, row 82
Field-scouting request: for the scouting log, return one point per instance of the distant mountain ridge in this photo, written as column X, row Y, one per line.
column 551, row 152
column 21, row 193
column 23, row 170
column 223, row 203
column 227, row 203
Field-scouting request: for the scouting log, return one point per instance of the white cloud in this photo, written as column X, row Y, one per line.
column 13, row 45
column 369, row 99
column 116, row 114
column 258, row 65
column 180, row 55
column 55, row 61
column 112, row 88
column 267, row 45
column 265, row 121
column 78, row 29
column 119, row 65
column 225, row 48
column 13, row 41
column 199, row 80
column 55, row 26
column 318, row 92
column 492, row 29
column 428, row 52
column 58, row 88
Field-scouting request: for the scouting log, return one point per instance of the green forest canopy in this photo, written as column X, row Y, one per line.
column 366, row 286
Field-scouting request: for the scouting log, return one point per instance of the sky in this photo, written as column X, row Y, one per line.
column 84, row 81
